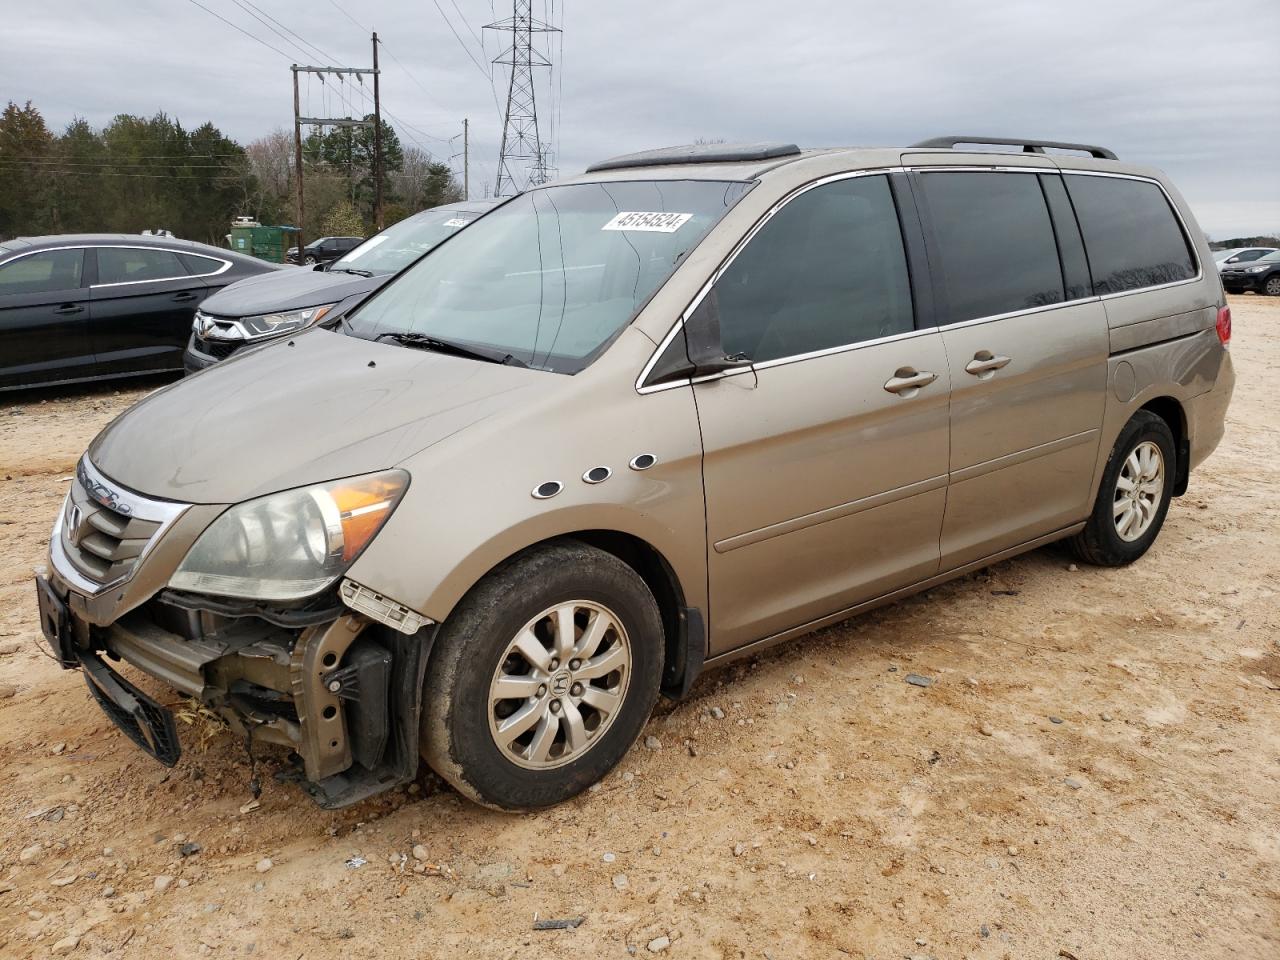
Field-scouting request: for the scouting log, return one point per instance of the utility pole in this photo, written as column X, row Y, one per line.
column 377, row 142
column 297, row 160
column 520, row 139
column 466, row 159
column 299, row 121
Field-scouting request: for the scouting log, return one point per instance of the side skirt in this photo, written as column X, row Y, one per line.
column 758, row 645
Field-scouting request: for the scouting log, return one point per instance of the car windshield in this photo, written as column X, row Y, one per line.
column 1224, row 254
column 1271, row 257
column 402, row 243
column 551, row 277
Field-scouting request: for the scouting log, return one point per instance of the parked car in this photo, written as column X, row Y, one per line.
column 1261, row 275
column 95, row 306
column 324, row 250
column 631, row 425
column 264, row 308
column 1228, row 258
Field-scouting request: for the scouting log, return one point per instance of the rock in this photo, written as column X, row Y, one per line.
column 620, row 882
column 419, row 852
column 1055, row 719
column 652, row 743
column 984, row 931
column 1013, row 851
column 1106, row 717
column 1072, row 568
column 189, row 849
column 1073, row 783
column 609, row 857
column 8, row 647
column 918, row 681
column 31, row 854
column 108, row 892
column 658, row 944
column 163, row 882
column 64, row 881
column 717, row 713
column 7, row 690
column 66, row 945
column 57, row 748
column 264, row 865
column 987, row 730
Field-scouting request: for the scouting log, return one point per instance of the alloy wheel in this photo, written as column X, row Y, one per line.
column 559, row 685
column 1138, row 491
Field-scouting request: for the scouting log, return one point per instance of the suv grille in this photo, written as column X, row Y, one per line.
column 218, row 349
column 105, row 529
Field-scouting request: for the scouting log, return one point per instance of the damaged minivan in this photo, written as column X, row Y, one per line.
column 631, row 425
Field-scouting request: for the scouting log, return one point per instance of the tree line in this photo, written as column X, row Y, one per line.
column 140, row 173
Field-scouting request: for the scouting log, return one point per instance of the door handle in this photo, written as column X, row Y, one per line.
column 984, row 364
column 184, row 297
column 907, row 382
column 69, row 308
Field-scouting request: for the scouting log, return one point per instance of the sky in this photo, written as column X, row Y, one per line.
column 1189, row 86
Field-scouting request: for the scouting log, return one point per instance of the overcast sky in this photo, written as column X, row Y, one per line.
column 1190, row 86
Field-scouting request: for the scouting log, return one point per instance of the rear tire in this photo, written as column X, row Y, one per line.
column 1272, row 286
column 1133, row 498
column 542, row 677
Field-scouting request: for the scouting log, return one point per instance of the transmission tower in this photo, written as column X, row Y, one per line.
column 522, row 160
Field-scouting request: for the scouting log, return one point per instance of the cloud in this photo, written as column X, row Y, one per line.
column 1189, row 88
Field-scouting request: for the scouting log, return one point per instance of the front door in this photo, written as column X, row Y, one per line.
column 142, row 309
column 825, row 462
column 1027, row 347
column 44, row 319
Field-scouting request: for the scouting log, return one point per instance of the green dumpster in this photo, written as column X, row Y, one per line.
column 261, row 241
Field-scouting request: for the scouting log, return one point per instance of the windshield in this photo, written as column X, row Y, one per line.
column 554, row 275
column 1223, row 254
column 1269, row 258
column 402, row 243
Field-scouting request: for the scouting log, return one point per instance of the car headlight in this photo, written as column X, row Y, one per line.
column 1256, row 269
column 292, row 544
column 286, row 321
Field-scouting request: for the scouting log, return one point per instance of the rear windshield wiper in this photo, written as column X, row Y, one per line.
column 351, row 270
column 450, row 346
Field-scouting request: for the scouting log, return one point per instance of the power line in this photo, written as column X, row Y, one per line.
column 465, row 48
column 247, row 9
column 236, row 26
column 322, row 53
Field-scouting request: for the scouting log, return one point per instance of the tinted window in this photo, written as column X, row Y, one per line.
column 996, row 242
column 198, row 266
column 827, row 270
column 132, row 264
column 1130, row 232
column 42, row 272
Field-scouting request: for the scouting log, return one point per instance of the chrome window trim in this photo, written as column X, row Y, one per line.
column 226, row 264
column 643, row 388
column 738, row 247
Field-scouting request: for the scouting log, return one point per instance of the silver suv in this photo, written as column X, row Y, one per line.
column 627, row 426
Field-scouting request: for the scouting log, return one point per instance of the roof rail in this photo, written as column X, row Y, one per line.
column 698, row 153
column 1028, row 146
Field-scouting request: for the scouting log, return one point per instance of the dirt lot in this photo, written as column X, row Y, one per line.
column 1095, row 773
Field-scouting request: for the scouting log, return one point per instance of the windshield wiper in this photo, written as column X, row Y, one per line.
column 352, row 270
column 449, row 346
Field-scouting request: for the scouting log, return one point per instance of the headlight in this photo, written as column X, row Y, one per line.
column 274, row 324
column 1256, row 269
column 292, row 544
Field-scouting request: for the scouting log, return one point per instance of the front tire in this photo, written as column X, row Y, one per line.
column 1272, row 286
column 542, row 677
column 1134, row 496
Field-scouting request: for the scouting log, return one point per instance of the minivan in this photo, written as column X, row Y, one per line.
column 632, row 425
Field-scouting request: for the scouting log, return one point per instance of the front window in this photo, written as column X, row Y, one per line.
column 402, row 243
column 551, row 277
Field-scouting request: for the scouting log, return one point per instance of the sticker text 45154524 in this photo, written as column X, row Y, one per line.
column 651, row 221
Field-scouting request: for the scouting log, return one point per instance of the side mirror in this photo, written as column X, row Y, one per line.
column 320, row 267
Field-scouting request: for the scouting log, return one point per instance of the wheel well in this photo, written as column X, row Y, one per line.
column 1170, row 411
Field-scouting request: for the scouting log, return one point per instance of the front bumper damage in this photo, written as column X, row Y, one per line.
column 337, row 687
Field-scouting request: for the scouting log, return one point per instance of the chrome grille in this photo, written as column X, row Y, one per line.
column 104, row 529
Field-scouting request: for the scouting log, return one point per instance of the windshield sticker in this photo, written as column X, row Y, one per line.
column 652, row 222
column 456, row 222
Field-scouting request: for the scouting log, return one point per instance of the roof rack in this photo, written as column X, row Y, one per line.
column 1028, row 146
column 698, row 153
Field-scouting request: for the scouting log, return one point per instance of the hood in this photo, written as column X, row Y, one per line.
column 286, row 289
column 282, row 416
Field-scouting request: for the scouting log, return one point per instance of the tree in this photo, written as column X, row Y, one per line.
column 342, row 221
column 26, row 171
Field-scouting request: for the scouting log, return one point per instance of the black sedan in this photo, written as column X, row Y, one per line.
column 262, row 309
column 96, row 306
column 324, row 250
column 1260, row 276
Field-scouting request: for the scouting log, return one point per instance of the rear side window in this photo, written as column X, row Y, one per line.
column 1130, row 232
column 826, row 271
column 42, row 272
column 134, row 265
column 996, row 242
column 198, row 266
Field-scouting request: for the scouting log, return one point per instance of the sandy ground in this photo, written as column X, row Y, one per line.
column 1095, row 773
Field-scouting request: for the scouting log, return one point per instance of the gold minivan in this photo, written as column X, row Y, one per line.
column 631, row 425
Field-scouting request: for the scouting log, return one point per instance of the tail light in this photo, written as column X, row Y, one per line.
column 1223, row 325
